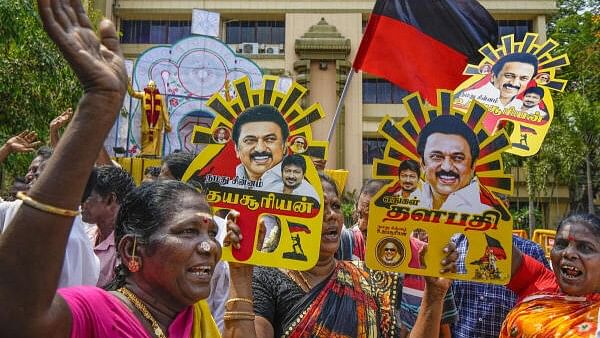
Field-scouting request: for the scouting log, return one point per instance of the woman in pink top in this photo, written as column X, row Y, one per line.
column 165, row 232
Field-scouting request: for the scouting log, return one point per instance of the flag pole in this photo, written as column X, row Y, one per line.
column 338, row 110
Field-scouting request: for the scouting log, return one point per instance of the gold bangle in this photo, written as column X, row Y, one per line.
column 45, row 207
column 240, row 300
column 238, row 315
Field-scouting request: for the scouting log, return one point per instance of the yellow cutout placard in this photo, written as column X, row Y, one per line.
column 445, row 170
column 513, row 82
column 257, row 161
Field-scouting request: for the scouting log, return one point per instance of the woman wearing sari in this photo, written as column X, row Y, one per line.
column 165, row 231
column 563, row 303
column 333, row 299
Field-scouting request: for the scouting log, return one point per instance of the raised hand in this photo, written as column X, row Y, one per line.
column 97, row 61
column 25, row 141
column 62, row 119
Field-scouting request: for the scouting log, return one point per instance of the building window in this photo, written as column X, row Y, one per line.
column 382, row 91
column 267, row 32
column 516, row 27
column 373, row 148
column 154, row 31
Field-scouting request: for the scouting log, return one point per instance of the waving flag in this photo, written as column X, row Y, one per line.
column 297, row 227
column 423, row 45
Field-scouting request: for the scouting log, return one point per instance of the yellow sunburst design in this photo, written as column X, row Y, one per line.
column 547, row 63
column 287, row 103
column 396, row 218
column 298, row 216
column 531, row 115
column 402, row 140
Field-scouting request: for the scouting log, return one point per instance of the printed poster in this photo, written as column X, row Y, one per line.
column 514, row 82
column 257, row 160
column 445, row 170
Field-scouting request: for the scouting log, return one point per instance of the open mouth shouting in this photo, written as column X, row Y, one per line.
column 331, row 233
column 569, row 272
column 201, row 273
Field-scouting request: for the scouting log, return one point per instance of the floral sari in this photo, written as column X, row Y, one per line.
column 345, row 305
column 545, row 315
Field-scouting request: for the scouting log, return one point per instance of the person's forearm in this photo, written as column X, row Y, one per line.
column 240, row 287
column 54, row 137
column 32, row 248
column 430, row 315
column 4, row 152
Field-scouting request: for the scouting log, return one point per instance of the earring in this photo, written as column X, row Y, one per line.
column 135, row 263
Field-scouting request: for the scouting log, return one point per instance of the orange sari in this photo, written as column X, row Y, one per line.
column 545, row 315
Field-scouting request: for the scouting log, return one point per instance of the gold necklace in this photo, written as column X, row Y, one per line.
column 304, row 279
column 144, row 310
column 303, row 282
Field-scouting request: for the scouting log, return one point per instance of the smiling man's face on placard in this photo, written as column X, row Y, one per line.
column 260, row 147
column 447, row 163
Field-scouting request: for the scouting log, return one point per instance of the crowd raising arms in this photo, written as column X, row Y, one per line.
column 164, row 298
column 166, row 241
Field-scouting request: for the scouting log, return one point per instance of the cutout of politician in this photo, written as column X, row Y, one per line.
column 510, row 77
column 260, row 135
column 409, row 172
column 448, row 149
column 531, row 102
column 293, row 169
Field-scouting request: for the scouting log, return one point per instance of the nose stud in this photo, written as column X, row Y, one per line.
column 205, row 247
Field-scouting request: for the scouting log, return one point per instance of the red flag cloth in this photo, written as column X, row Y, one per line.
column 297, row 227
column 495, row 247
column 424, row 45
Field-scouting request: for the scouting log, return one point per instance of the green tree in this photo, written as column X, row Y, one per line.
column 569, row 154
column 35, row 81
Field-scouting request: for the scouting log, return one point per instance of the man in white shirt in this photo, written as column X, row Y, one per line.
column 293, row 169
column 531, row 101
column 80, row 265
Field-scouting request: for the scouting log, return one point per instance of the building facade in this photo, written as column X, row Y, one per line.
column 314, row 42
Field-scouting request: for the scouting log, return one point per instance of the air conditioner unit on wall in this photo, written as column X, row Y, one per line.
column 272, row 50
column 250, row 48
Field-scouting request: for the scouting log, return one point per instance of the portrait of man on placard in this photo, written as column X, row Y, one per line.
column 260, row 135
column 276, row 191
column 448, row 149
column 532, row 98
column 298, row 144
column 542, row 78
column 509, row 78
column 293, row 169
column 221, row 135
column 409, row 172
column 390, row 252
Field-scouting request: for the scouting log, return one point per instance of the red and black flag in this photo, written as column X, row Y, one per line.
column 527, row 130
column 297, row 227
column 424, row 45
column 495, row 247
